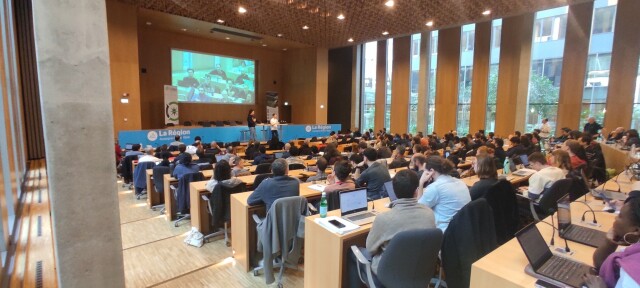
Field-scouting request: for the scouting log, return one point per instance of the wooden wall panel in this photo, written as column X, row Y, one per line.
column 481, row 65
column 381, row 85
column 400, row 80
column 155, row 56
column 339, row 108
column 122, row 22
column 574, row 64
column 447, row 80
column 321, row 87
column 305, row 84
column 624, row 65
column 423, row 81
column 515, row 62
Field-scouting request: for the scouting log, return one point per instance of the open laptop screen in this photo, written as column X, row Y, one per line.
column 353, row 201
column 128, row 146
column 564, row 213
column 219, row 158
column 525, row 160
column 279, row 155
column 389, row 187
column 534, row 246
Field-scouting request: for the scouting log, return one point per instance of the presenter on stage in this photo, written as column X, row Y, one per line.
column 274, row 126
column 251, row 122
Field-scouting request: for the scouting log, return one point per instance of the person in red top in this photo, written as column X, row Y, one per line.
column 577, row 154
column 118, row 153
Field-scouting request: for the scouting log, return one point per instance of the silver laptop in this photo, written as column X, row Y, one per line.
column 219, row 158
column 354, row 206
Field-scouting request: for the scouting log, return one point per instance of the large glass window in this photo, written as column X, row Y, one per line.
column 431, row 95
column 546, row 67
column 465, row 78
column 387, row 106
column 415, row 73
column 370, row 51
column 492, row 93
column 596, row 84
column 635, row 119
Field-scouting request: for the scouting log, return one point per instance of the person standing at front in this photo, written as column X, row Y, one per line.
column 274, row 126
column 251, row 122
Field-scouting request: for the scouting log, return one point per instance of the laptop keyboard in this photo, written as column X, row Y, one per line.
column 559, row 268
column 361, row 216
column 578, row 233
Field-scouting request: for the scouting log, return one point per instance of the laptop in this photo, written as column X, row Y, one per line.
column 354, row 206
column 219, row 158
column 545, row 265
column 575, row 233
column 128, row 146
column 278, row 155
column 388, row 186
column 525, row 160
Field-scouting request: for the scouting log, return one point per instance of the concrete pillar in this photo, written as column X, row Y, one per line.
column 73, row 66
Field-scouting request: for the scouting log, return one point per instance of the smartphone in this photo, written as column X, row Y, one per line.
column 336, row 223
column 544, row 284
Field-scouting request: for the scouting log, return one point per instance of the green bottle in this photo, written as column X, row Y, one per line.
column 323, row 205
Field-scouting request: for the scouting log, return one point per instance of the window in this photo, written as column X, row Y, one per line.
column 465, row 79
column 387, row 106
column 415, row 73
column 596, row 84
column 431, row 90
column 492, row 93
column 369, row 54
column 635, row 119
column 546, row 67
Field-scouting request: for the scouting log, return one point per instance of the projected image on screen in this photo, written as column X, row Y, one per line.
column 206, row 78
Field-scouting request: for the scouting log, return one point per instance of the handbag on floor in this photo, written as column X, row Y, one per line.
column 194, row 238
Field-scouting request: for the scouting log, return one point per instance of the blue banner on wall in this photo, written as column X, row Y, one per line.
column 159, row 137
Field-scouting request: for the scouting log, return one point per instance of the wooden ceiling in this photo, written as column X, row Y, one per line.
column 365, row 20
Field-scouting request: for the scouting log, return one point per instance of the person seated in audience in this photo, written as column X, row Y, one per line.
column 261, row 156
column 214, row 148
column 631, row 138
column 293, row 158
column 616, row 135
column 564, row 136
column 251, row 149
column 148, row 156
column 238, row 167
column 499, row 150
column 545, row 176
column 398, row 158
column 222, row 173
column 561, row 159
column 331, row 154
column 405, row 215
column 357, row 163
column 517, row 134
column 162, row 150
column 332, row 138
column 135, row 150
column 446, row 195
column 617, row 267
column 592, row 127
column 182, row 149
column 575, row 134
column 491, row 137
column 525, row 141
column 279, row 186
column 228, row 153
column 515, row 148
column 274, row 143
column 366, row 136
column 176, row 142
column 417, row 149
column 417, row 163
column 576, row 153
column 184, row 167
column 305, row 149
column 374, row 176
column 197, row 141
column 165, row 160
column 592, row 150
column 320, row 174
column 384, row 152
column 356, row 133
column 485, row 168
column 339, row 179
column 286, row 154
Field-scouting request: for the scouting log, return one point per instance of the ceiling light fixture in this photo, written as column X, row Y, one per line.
column 220, row 21
column 389, row 3
column 341, row 16
column 184, row 29
column 227, row 38
column 242, row 10
column 350, row 40
column 284, row 49
column 280, row 35
column 430, row 23
column 486, row 12
column 264, row 45
column 385, row 33
column 305, row 27
column 148, row 23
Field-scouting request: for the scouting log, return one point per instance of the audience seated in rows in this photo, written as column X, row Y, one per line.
column 222, row 173
column 547, row 173
column 321, row 175
column 576, row 152
column 185, row 166
column 238, row 169
column 135, row 150
column 177, row 142
column 261, row 156
column 485, row 168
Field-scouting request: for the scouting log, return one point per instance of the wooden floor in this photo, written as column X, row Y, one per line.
column 156, row 256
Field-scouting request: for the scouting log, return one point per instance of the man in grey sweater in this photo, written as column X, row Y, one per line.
column 406, row 214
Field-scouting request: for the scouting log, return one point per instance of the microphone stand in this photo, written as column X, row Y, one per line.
column 566, row 244
column 585, row 212
column 373, row 204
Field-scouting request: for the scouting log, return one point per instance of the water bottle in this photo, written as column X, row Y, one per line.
column 507, row 165
column 323, row 205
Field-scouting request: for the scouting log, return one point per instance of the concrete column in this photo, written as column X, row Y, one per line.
column 73, row 66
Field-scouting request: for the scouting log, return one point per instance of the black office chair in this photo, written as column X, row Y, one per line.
column 408, row 261
column 470, row 236
column 296, row 166
column 227, row 123
column 127, row 173
column 158, row 184
column 219, row 124
column 548, row 203
column 260, row 178
column 206, row 124
column 235, row 143
column 187, row 123
column 219, row 207
column 181, row 194
column 579, row 184
column 263, row 168
column 239, row 123
column 140, row 179
column 201, row 123
column 504, row 204
column 169, row 125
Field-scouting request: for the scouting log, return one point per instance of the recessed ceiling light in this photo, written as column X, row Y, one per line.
column 321, row 106
column 486, row 12
column 242, row 10
column 264, row 45
column 220, row 21
column 341, row 16
column 385, row 33
column 284, row 49
column 184, row 29
column 148, row 23
column 227, row 38
column 305, row 27
column 280, row 35
column 389, row 3
column 430, row 23
column 350, row 40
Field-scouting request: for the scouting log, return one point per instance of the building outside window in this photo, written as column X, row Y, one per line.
column 387, row 106
column 415, row 75
column 369, row 54
column 635, row 119
column 465, row 79
column 492, row 93
column 431, row 92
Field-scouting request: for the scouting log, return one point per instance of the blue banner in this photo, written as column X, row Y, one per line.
column 226, row 134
